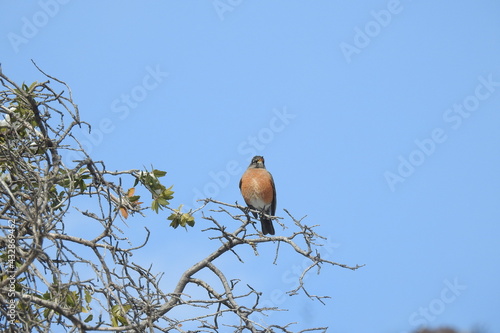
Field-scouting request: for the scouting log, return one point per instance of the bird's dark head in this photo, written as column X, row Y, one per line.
column 257, row 162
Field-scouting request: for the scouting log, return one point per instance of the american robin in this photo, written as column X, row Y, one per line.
column 259, row 192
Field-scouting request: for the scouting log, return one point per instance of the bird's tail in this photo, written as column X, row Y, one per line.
column 267, row 225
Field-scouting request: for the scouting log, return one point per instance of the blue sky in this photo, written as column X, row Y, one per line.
column 378, row 120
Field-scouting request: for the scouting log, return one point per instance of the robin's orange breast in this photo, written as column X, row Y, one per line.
column 257, row 188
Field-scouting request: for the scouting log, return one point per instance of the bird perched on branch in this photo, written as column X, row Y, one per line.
column 258, row 190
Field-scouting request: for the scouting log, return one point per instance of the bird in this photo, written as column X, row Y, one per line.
column 258, row 191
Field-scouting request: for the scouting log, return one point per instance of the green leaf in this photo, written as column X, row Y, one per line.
column 168, row 193
column 88, row 296
column 159, row 173
column 154, row 206
column 175, row 220
column 72, row 299
column 178, row 218
column 65, row 183
column 89, row 318
column 82, row 185
column 162, row 202
column 47, row 296
column 118, row 314
column 189, row 219
column 32, row 86
column 134, row 198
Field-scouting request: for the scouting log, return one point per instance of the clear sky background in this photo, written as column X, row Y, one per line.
column 379, row 120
